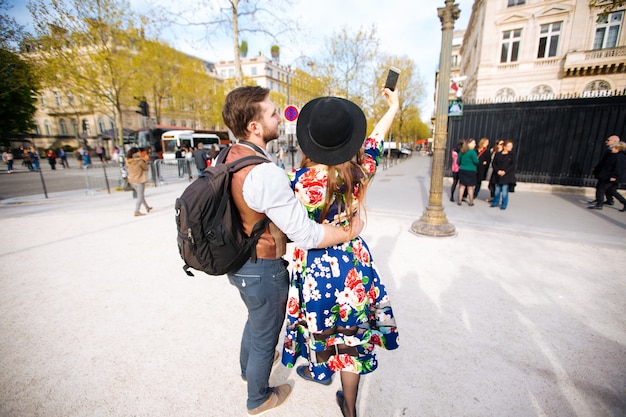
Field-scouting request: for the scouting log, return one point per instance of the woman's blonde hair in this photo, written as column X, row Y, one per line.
column 344, row 182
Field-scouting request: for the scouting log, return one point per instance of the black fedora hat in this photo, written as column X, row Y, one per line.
column 331, row 130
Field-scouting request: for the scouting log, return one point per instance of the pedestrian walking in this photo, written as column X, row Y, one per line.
column 52, row 159
column 9, row 158
column 602, row 170
column 200, row 156
column 610, row 176
column 63, row 157
column 137, row 168
column 34, row 158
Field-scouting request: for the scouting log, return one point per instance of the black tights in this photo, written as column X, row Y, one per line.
column 455, row 181
column 349, row 380
column 350, row 386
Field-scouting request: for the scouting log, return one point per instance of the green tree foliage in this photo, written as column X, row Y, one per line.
column 18, row 80
column 178, row 84
column 407, row 124
column 17, row 102
column 88, row 48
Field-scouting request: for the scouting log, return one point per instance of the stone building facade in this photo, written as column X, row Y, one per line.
column 516, row 50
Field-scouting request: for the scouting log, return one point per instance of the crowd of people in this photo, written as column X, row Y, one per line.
column 497, row 165
column 471, row 166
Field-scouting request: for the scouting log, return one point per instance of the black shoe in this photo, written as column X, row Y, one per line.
column 340, row 401
column 609, row 203
column 591, row 202
column 623, row 208
column 595, row 207
column 300, row 371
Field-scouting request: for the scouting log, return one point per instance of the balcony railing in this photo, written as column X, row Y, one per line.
column 597, row 61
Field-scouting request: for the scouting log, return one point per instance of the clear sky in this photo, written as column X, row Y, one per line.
column 404, row 27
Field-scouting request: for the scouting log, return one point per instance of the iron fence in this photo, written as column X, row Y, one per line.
column 556, row 141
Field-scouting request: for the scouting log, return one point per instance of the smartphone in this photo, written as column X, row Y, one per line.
column 392, row 78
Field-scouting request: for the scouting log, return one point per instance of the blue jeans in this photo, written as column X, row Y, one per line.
column 263, row 287
column 501, row 189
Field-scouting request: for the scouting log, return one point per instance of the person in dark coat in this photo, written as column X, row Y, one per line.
column 490, row 172
column 600, row 170
column 504, row 170
column 484, row 160
column 610, row 176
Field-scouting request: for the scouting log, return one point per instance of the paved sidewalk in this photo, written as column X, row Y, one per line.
column 520, row 314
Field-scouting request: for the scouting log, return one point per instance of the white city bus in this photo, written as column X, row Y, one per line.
column 173, row 139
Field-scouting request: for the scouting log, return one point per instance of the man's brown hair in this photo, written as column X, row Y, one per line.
column 241, row 107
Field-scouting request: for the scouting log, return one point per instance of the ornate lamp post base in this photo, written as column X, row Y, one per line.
column 433, row 223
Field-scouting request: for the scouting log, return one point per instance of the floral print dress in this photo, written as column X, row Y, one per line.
column 338, row 309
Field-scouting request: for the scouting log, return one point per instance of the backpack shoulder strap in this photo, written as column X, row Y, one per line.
column 246, row 161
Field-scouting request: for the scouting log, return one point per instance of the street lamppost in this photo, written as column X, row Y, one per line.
column 433, row 221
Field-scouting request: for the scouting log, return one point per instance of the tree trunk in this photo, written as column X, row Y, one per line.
column 238, row 72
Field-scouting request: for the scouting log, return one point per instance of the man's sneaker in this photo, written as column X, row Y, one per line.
column 277, row 397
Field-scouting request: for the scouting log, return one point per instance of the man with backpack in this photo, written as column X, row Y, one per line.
column 261, row 191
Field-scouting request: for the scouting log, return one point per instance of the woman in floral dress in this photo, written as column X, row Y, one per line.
column 338, row 309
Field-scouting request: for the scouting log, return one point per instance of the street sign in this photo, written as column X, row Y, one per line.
column 291, row 113
column 290, row 128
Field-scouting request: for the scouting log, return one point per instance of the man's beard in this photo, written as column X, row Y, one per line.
column 269, row 136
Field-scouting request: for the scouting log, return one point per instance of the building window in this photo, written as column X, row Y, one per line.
column 46, row 125
column 172, row 122
column 223, row 74
column 183, row 123
column 70, row 99
column 42, row 99
column 63, row 127
column 512, row 3
column 607, row 30
column 100, row 125
column 37, row 131
column 510, row 45
column 74, row 127
column 269, row 72
column 549, row 40
column 57, row 98
column 231, row 73
column 253, row 70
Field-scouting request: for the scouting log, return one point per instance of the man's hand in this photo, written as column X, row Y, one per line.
column 357, row 226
